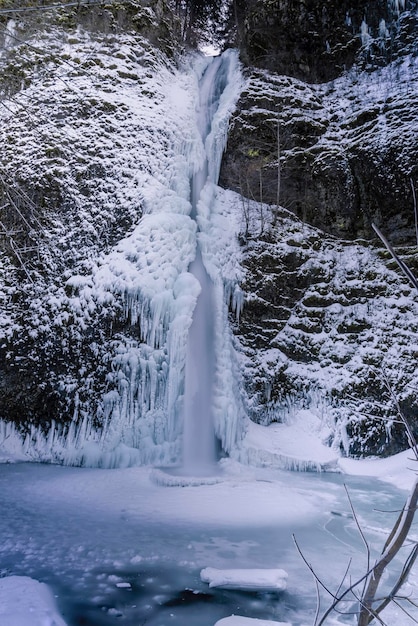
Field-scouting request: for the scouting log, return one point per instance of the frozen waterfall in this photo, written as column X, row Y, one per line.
column 179, row 389
column 199, row 453
column 184, row 245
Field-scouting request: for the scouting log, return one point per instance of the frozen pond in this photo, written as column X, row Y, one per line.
column 117, row 549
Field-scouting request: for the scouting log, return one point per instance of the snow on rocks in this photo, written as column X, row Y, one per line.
column 114, row 267
column 27, row 602
column 346, row 318
column 245, row 579
column 294, row 445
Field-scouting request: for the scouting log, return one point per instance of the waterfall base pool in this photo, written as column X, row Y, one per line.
column 117, row 549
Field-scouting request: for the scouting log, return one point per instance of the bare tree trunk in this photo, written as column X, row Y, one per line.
column 276, row 210
column 394, row 543
column 415, row 210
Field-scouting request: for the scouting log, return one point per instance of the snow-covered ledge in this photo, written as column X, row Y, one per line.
column 27, row 602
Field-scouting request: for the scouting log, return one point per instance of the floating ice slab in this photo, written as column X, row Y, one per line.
column 27, row 602
column 245, row 579
column 237, row 620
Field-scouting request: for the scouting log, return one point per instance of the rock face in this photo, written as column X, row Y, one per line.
column 327, row 325
column 340, row 155
column 344, row 151
column 327, row 127
column 317, row 41
column 71, row 187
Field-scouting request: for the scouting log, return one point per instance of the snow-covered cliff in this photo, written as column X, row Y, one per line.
column 100, row 143
column 98, row 124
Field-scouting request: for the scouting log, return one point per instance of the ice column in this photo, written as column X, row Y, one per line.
column 199, row 454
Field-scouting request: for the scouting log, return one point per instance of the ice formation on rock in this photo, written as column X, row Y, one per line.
column 146, row 277
column 397, row 5
column 150, row 271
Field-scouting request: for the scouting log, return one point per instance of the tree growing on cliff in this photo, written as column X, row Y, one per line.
column 201, row 20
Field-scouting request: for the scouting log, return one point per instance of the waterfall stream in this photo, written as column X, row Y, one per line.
column 199, row 451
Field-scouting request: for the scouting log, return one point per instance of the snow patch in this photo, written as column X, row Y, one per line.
column 294, row 445
column 27, row 602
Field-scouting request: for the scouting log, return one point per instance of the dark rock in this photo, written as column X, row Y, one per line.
column 328, row 325
column 316, row 41
column 345, row 153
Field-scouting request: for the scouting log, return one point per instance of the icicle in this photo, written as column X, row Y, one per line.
column 397, row 6
column 238, row 301
column 364, row 34
column 383, row 34
column 9, row 33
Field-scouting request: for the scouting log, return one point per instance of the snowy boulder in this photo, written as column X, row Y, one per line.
column 27, row 602
column 237, row 620
column 245, row 579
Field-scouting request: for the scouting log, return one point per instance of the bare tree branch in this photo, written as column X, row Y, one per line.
column 405, row 269
column 366, row 544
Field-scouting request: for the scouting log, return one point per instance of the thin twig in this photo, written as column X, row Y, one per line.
column 344, row 577
column 366, row 544
column 415, row 209
column 337, row 599
column 318, row 602
column 309, row 566
column 399, row 605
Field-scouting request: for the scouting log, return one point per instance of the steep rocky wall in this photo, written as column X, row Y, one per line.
column 80, row 151
column 71, row 186
column 345, row 152
column 317, row 41
column 327, row 128
column 346, row 148
column 328, row 325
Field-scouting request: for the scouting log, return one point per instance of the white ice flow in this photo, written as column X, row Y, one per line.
column 27, row 602
column 245, row 579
